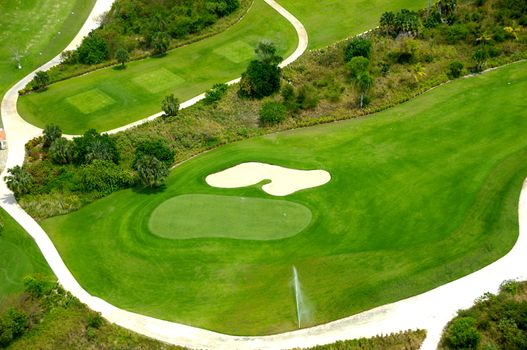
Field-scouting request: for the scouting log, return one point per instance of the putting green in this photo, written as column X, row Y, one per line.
column 420, row 195
column 207, row 216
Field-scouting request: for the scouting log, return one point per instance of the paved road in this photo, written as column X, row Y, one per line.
column 430, row 310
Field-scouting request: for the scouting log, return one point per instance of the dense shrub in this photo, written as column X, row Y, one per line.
column 104, row 176
column 51, row 132
column 157, row 148
column 462, row 333
column 307, row 97
column 92, row 50
column 92, row 146
column 455, row 69
column 170, row 105
column 260, row 80
column 272, row 113
column 61, row 151
column 215, row 94
column 18, row 180
column 358, row 46
column 457, row 32
column 402, row 22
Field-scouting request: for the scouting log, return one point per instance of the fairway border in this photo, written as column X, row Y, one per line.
column 430, row 310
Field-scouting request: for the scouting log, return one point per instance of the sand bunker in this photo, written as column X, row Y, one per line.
column 284, row 181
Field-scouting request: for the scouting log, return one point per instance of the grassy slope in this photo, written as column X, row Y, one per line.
column 332, row 20
column 420, row 194
column 186, row 72
column 19, row 256
column 30, row 26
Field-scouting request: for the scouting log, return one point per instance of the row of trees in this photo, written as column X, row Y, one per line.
column 93, row 163
column 147, row 25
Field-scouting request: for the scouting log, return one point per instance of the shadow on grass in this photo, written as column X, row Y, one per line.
column 119, row 67
column 149, row 190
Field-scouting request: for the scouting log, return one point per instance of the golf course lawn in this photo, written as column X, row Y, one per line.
column 420, row 194
column 32, row 28
column 109, row 98
column 19, row 257
column 332, row 20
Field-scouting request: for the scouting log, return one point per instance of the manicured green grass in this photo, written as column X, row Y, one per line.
column 332, row 20
column 32, row 28
column 207, row 216
column 421, row 194
column 139, row 89
column 19, row 257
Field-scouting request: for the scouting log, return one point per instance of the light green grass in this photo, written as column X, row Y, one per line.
column 420, row 195
column 329, row 21
column 207, row 216
column 90, row 101
column 196, row 64
column 19, row 257
column 158, row 80
column 236, row 52
column 31, row 27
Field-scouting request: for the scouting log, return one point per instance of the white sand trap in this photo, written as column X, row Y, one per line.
column 284, row 181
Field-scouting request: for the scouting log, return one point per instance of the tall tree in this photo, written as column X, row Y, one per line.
column 121, row 55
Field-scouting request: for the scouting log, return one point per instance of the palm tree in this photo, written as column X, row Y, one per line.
column 19, row 181
column 514, row 29
column 151, row 171
column 363, row 82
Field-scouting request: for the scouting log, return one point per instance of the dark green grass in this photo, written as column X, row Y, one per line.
column 420, row 194
column 139, row 89
column 332, row 20
column 206, row 216
column 19, row 257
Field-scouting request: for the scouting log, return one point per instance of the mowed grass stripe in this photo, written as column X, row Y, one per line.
column 421, row 194
column 138, row 95
column 207, row 216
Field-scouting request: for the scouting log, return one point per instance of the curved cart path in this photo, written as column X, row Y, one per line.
column 430, row 310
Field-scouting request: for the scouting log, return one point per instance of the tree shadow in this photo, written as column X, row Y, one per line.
column 145, row 190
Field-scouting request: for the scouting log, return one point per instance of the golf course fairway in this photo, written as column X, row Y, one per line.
column 420, row 194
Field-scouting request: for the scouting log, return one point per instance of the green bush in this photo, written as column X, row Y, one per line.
column 157, row 148
column 307, row 97
column 358, row 46
column 457, row 32
column 454, row 70
column 61, row 151
column 93, row 49
column 272, row 113
column 215, row 94
column 92, row 146
column 260, row 80
column 104, row 176
column 462, row 333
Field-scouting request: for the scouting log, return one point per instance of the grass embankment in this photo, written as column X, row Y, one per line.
column 109, row 98
column 19, row 256
column 421, row 194
column 30, row 28
column 332, row 20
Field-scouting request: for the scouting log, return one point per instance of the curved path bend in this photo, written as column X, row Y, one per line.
column 430, row 310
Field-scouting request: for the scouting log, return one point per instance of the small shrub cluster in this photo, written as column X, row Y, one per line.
column 47, row 317
column 494, row 322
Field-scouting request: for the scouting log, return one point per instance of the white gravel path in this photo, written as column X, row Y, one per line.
column 430, row 310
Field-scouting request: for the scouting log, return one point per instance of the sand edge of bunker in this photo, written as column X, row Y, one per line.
column 283, row 181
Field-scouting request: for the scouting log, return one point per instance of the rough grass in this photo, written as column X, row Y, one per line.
column 421, row 194
column 206, row 216
column 195, row 63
